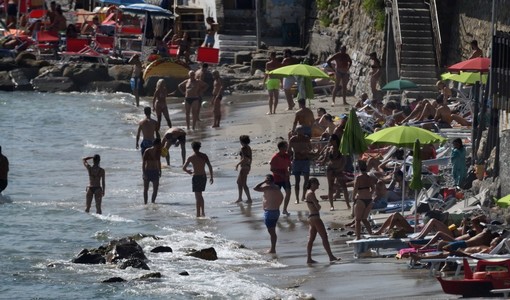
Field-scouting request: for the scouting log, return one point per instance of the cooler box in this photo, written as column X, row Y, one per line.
column 208, row 55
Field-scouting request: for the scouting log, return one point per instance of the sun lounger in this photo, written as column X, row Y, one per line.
column 364, row 245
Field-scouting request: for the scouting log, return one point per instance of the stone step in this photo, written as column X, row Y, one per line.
column 227, row 43
column 416, row 60
column 414, row 26
column 417, row 40
column 414, row 11
column 238, row 32
column 238, row 48
column 417, row 73
column 413, row 67
column 423, row 54
column 414, row 19
column 237, row 37
column 416, row 33
column 243, row 26
column 415, row 47
column 414, row 5
column 422, row 80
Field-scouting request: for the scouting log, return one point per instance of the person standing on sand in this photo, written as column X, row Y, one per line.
column 375, row 73
column 315, row 222
column 299, row 149
column 4, row 170
column 217, row 96
column 245, row 165
column 192, row 90
column 151, row 169
column 304, row 117
column 289, row 80
column 364, row 187
column 204, row 75
column 149, row 128
column 159, row 103
column 343, row 63
column 280, row 166
column 198, row 160
column 97, row 185
column 136, row 77
column 271, row 202
column 272, row 83
column 177, row 137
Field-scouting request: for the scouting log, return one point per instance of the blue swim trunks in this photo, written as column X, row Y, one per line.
column 145, row 145
column 307, row 130
column 135, row 83
column 300, row 167
column 457, row 245
column 271, row 217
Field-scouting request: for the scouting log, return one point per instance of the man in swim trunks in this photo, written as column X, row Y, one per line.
column 304, row 117
column 271, row 202
column 151, row 167
column 299, row 149
column 289, row 80
column 193, row 90
column 136, row 77
column 198, row 160
column 272, row 83
column 342, row 65
column 4, row 170
column 149, row 128
column 280, row 166
column 177, row 137
column 96, row 187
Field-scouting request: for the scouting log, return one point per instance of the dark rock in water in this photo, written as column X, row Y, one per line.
column 184, row 273
column 113, row 279
column 22, row 77
column 160, row 249
column 134, row 263
column 124, row 249
column 6, row 83
column 89, row 257
column 107, row 86
column 53, row 84
column 207, row 254
column 120, row 72
column 82, row 74
column 150, row 275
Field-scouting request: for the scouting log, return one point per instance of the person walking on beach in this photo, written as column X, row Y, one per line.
column 97, row 185
column 177, row 137
column 315, row 222
column 364, row 187
column 151, row 169
column 280, row 166
column 217, row 96
column 289, row 81
column 136, row 77
column 272, row 83
column 149, row 128
column 199, row 180
column 299, row 149
column 245, row 164
column 192, row 90
column 343, row 63
column 271, row 202
column 4, row 170
column 159, row 103
column 304, row 117
column 458, row 159
column 375, row 73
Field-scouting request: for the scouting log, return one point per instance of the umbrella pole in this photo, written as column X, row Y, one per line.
column 403, row 184
column 415, row 210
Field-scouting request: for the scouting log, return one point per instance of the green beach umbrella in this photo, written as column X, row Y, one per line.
column 353, row 138
column 306, row 71
column 404, row 136
column 504, row 202
column 465, row 77
column 399, row 85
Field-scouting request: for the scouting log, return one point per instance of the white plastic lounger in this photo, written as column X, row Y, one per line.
column 364, row 245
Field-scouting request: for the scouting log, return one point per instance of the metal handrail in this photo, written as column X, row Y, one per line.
column 397, row 33
column 436, row 29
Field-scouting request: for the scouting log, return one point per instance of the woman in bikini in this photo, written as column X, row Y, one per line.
column 315, row 222
column 96, row 187
column 364, row 186
column 245, row 165
column 335, row 164
column 375, row 73
column 159, row 103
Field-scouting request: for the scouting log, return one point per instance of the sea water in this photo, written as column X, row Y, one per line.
column 43, row 224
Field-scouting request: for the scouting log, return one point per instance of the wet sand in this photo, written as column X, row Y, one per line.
column 368, row 278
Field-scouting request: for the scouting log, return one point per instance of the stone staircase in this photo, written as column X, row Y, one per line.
column 417, row 58
column 238, row 33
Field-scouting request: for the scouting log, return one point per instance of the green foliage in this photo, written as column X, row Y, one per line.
column 325, row 20
column 376, row 9
column 325, row 7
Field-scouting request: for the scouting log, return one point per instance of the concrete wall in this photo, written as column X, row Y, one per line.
column 277, row 12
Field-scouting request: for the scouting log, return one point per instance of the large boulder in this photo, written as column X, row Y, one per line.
column 82, row 74
column 207, row 254
column 125, row 248
column 89, row 257
column 7, row 64
column 120, row 72
column 53, row 84
column 242, row 56
column 22, row 78
column 258, row 64
column 114, row 280
column 6, row 83
column 25, row 55
column 160, row 249
column 149, row 276
column 134, row 263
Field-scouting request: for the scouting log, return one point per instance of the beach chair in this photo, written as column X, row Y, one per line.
column 103, row 44
column 74, row 48
column 46, row 43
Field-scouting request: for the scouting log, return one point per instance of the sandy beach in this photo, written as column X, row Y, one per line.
column 367, row 278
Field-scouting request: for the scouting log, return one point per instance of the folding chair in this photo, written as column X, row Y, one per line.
column 74, row 48
column 47, row 43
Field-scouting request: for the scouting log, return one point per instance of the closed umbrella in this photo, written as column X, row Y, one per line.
column 353, row 140
column 416, row 183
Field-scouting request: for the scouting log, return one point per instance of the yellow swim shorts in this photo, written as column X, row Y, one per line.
column 273, row 84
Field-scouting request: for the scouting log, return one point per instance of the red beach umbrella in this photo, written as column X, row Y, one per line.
column 478, row 64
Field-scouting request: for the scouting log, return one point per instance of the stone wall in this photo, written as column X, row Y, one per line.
column 504, row 162
column 353, row 27
column 278, row 12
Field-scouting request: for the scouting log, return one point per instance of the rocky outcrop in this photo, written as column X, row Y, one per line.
column 206, row 254
column 134, row 263
column 93, row 257
column 161, row 249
